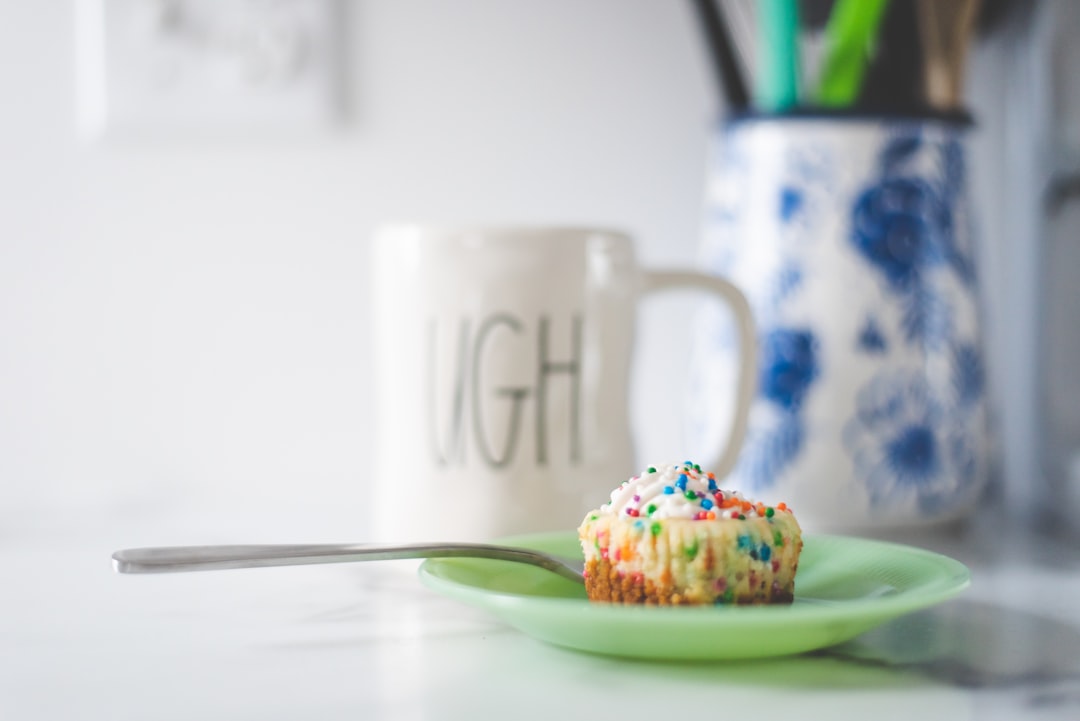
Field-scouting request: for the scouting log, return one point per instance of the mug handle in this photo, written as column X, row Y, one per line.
column 653, row 280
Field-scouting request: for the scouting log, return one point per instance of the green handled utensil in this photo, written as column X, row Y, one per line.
column 777, row 86
column 849, row 41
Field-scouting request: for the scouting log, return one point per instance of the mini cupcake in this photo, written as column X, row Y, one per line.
column 670, row 536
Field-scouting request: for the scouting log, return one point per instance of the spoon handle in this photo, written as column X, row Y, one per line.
column 206, row 558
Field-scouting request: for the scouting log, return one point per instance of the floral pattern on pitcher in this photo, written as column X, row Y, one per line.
column 852, row 245
column 789, row 367
column 790, row 357
column 901, row 445
column 907, row 438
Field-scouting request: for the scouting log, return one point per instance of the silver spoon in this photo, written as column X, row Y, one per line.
column 207, row 558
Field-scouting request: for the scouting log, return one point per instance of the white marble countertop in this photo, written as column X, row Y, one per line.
column 368, row 641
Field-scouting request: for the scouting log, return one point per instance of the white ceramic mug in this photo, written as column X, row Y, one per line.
column 851, row 238
column 503, row 361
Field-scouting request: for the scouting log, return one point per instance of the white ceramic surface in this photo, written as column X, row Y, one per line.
column 368, row 641
column 852, row 240
column 503, row 360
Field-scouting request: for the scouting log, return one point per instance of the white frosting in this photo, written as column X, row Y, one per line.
column 675, row 491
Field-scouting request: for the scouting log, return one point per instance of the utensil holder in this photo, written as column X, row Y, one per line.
column 851, row 237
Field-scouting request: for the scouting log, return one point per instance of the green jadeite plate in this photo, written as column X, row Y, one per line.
column 844, row 586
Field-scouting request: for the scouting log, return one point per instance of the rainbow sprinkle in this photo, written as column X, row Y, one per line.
column 683, row 491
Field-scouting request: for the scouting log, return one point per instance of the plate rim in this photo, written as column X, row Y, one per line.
column 955, row 578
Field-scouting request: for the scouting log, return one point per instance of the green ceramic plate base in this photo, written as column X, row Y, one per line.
column 844, row 586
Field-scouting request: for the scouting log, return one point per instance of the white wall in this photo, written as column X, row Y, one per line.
column 184, row 323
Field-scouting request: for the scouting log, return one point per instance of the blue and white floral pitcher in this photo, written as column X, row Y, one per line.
column 851, row 238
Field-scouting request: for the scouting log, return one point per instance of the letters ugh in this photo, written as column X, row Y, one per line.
column 469, row 402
